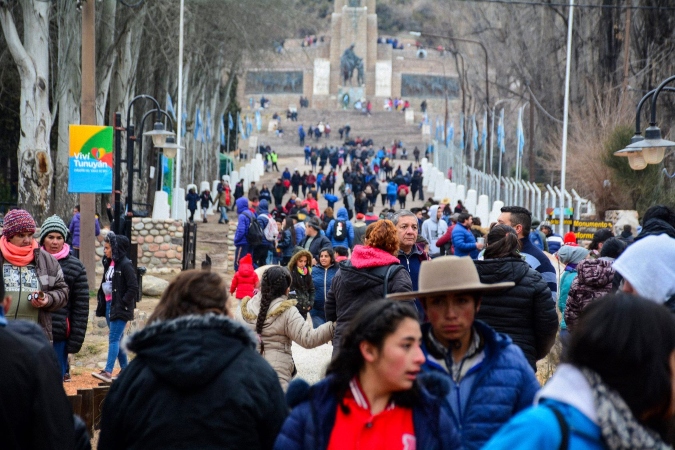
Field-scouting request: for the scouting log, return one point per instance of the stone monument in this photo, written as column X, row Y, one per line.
column 348, row 65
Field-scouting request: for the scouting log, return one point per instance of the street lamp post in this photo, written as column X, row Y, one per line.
column 470, row 41
column 651, row 148
column 158, row 135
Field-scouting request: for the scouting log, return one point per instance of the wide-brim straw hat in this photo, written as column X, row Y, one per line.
column 449, row 275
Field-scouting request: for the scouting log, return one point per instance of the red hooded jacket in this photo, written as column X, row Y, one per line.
column 245, row 280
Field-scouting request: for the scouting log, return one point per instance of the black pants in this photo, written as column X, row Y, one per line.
column 192, row 215
column 384, row 199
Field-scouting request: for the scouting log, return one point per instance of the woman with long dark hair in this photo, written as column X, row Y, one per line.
column 526, row 311
column 614, row 389
column 116, row 298
column 197, row 381
column 371, row 397
column 277, row 322
column 322, row 276
column 287, row 241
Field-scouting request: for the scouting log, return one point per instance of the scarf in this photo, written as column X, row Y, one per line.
column 65, row 251
column 303, row 270
column 619, row 428
column 17, row 256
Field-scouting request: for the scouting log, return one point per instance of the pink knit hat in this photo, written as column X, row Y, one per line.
column 18, row 221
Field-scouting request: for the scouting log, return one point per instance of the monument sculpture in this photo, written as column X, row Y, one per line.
column 348, row 62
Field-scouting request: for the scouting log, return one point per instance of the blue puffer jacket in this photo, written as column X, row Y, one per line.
column 311, row 422
column 348, row 241
column 244, row 221
column 464, row 242
column 322, row 278
column 491, row 392
column 537, row 427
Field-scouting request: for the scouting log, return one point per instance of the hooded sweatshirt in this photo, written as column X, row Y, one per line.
column 433, row 229
column 191, row 386
column 245, row 280
column 648, row 266
column 245, row 217
column 348, row 241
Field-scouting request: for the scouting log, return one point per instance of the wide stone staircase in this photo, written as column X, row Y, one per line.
column 383, row 127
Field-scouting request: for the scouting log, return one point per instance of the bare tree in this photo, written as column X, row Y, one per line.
column 31, row 55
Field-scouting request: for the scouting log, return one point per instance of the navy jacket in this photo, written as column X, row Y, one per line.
column 540, row 262
column 494, row 390
column 322, row 279
column 311, row 422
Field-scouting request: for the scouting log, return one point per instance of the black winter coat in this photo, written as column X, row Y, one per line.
column 526, row 312
column 125, row 291
column 352, row 288
column 34, row 410
column 77, row 309
column 196, row 382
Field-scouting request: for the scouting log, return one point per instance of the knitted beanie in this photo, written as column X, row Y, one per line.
column 51, row 225
column 18, row 221
column 648, row 266
column 570, row 238
column 572, row 254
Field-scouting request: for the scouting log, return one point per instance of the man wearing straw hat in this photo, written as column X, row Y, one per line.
column 490, row 378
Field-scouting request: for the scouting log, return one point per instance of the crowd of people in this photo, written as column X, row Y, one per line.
column 437, row 325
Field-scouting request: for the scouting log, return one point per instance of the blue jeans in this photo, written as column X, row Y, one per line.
column 115, row 350
column 61, row 349
column 223, row 214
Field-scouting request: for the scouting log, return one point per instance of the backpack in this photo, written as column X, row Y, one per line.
column 386, row 272
column 254, row 235
column 340, row 230
column 271, row 231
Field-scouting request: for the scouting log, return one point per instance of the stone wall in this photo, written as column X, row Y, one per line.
column 160, row 244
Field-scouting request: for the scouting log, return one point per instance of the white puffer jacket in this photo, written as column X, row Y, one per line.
column 283, row 325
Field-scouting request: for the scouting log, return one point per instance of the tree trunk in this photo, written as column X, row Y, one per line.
column 68, row 94
column 32, row 59
column 106, row 56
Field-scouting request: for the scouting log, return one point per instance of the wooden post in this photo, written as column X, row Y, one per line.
column 76, row 404
column 87, row 411
column 99, row 394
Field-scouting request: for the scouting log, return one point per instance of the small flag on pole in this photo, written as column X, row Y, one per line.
column 520, row 134
column 169, row 106
column 222, row 129
column 474, row 134
column 198, row 125
column 500, row 133
column 230, row 121
column 451, row 134
column 461, row 131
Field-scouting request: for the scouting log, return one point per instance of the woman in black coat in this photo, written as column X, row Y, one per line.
column 116, row 299
column 197, row 380
column 526, row 312
column 69, row 324
column 372, row 272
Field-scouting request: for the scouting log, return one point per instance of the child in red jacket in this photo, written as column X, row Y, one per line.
column 245, row 280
